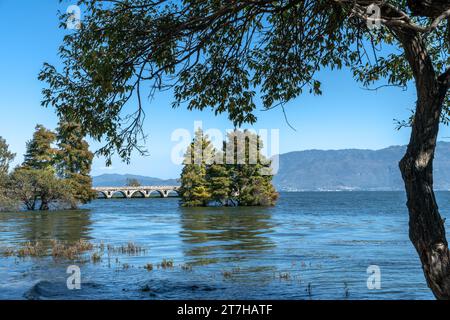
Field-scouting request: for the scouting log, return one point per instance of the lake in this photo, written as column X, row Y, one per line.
column 311, row 245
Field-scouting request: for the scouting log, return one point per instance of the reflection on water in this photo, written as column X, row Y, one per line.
column 36, row 226
column 324, row 241
column 224, row 233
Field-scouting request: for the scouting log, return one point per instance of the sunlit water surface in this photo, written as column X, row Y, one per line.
column 311, row 245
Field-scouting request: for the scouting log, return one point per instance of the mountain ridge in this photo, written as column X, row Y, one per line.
column 349, row 169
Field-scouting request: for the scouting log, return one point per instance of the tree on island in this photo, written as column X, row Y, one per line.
column 132, row 182
column 193, row 190
column 6, row 157
column 53, row 176
column 39, row 189
column 250, row 171
column 219, row 54
column 40, row 155
column 35, row 181
column 74, row 161
column 226, row 177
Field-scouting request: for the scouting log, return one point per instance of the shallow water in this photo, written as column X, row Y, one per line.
column 312, row 245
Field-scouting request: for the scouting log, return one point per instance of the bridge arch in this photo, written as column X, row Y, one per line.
column 138, row 194
column 172, row 193
column 102, row 195
column 118, row 194
column 152, row 193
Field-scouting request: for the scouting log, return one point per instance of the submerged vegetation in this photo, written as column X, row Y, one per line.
column 73, row 250
column 236, row 175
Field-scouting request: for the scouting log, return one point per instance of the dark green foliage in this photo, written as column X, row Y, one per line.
column 6, row 156
column 132, row 182
column 218, row 181
column 39, row 189
column 49, row 177
column 7, row 200
column 40, row 154
column 194, row 190
column 74, row 161
column 217, row 56
column 250, row 170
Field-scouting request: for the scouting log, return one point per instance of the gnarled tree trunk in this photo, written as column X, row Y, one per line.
column 426, row 227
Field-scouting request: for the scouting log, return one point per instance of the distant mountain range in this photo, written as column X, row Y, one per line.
column 323, row 170
column 353, row 169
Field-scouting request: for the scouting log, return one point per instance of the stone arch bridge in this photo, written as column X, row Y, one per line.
column 130, row 192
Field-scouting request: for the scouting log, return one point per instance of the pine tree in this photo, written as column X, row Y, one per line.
column 194, row 189
column 74, row 161
column 219, row 183
column 242, row 178
column 248, row 168
column 7, row 203
column 40, row 155
column 6, row 156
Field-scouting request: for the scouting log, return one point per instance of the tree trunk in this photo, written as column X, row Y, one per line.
column 44, row 205
column 426, row 227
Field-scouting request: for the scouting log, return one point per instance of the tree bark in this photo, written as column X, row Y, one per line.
column 426, row 227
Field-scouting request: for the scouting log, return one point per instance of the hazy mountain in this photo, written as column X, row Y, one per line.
column 318, row 170
column 119, row 180
column 353, row 169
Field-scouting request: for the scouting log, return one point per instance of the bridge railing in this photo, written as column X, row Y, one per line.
column 129, row 192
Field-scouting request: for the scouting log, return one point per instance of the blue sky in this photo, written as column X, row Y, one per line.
column 345, row 116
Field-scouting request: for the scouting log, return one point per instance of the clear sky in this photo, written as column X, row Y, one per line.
column 345, row 116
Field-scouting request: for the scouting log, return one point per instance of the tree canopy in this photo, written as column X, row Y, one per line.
column 221, row 56
column 237, row 175
column 40, row 154
column 6, row 156
column 49, row 175
column 73, row 161
column 132, row 182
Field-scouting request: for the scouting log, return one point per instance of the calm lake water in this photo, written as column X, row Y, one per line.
column 312, row 245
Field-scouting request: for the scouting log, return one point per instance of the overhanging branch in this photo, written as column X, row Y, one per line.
column 391, row 15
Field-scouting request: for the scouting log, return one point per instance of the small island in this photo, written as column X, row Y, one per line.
column 237, row 175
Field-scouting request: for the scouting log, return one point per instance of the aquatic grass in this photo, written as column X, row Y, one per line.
column 8, row 252
column 165, row 264
column 96, row 257
column 186, row 267
column 130, row 249
column 148, row 267
column 30, row 249
column 70, row 251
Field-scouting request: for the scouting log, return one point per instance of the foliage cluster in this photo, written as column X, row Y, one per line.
column 236, row 175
